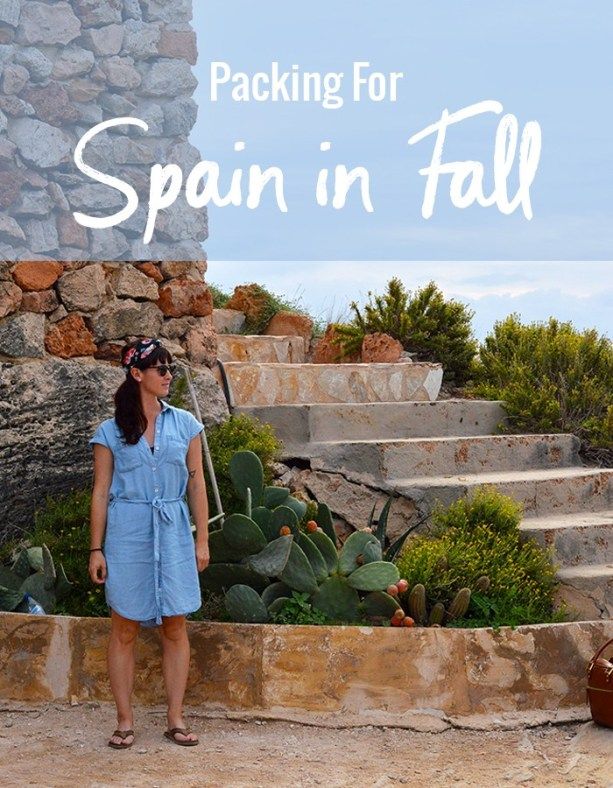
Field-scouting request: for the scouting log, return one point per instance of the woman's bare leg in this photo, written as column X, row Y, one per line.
column 120, row 658
column 175, row 663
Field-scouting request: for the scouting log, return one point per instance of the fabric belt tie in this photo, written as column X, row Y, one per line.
column 159, row 513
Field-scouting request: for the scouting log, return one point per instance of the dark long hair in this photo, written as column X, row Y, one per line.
column 128, row 407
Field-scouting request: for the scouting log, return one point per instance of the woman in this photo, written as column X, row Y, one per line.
column 142, row 548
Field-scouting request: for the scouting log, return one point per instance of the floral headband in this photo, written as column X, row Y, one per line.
column 139, row 352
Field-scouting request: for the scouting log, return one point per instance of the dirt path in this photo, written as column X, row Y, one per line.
column 55, row 745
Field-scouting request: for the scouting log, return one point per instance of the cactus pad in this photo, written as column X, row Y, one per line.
column 246, row 473
column 297, row 573
column 326, row 547
column 275, row 590
column 281, row 516
column 219, row 577
column 337, row 599
column 372, row 552
column 324, row 521
column 374, row 576
column 271, row 560
column 379, row 603
column 314, row 556
column 274, row 496
column 354, row 546
column 243, row 535
column 245, row 605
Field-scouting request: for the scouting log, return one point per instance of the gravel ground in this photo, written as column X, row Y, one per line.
column 63, row 745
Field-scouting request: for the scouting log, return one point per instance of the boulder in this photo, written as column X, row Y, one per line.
column 250, row 300
column 326, row 350
column 381, row 349
column 36, row 276
column 180, row 297
column 69, row 338
column 83, row 289
column 290, row 324
column 228, row 321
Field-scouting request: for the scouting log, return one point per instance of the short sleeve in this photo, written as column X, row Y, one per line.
column 194, row 427
column 101, row 436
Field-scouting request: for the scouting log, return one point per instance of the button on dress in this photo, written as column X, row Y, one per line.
column 148, row 543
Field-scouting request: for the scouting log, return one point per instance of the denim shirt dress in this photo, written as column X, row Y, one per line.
column 148, row 544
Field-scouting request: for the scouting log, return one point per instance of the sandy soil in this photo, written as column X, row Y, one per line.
column 63, row 745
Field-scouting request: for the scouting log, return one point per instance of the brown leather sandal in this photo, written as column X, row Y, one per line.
column 171, row 734
column 122, row 735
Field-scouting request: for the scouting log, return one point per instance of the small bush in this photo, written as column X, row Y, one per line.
column 237, row 433
column 428, row 326
column 220, row 299
column 298, row 610
column 476, row 537
column 551, row 377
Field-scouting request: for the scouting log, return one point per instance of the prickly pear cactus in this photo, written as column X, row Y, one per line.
column 34, row 573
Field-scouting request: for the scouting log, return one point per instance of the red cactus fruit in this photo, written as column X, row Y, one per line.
column 407, row 621
column 399, row 614
column 285, row 530
column 396, row 622
column 403, row 585
column 392, row 590
column 311, row 526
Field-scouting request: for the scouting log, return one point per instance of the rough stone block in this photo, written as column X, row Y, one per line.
column 39, row 143
column 84, row 289
column 41, row 23
column 23, row 336
column 36, row 276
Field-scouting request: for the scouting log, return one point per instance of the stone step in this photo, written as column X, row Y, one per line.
column 283, row 384
column 588, row 589
column 300, row 425
column 259, row 349
column 377, row 460
column 542, row 492
column 579, row 538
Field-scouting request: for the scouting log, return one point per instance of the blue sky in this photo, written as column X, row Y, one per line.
column 546, row 61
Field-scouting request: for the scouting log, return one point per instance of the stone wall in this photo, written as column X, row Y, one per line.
column 429, row 679
column 62, row 326
column 64, row 68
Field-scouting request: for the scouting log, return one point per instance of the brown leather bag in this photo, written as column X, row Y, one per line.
column 600, row 688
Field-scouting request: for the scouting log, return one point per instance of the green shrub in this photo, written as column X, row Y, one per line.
column 220, row 299
column 477, row 537
column 298, row 610
column 551, row 377
column 63, row 525
column 237, row 433
column 428, row 326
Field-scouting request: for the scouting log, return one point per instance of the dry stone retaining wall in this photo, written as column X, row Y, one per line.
column 64, row 68
column 62, row 326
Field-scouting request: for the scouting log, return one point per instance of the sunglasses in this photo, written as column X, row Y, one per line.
column 162, row 369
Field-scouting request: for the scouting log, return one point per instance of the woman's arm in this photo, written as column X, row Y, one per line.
column 103, row 475
column 198, row 503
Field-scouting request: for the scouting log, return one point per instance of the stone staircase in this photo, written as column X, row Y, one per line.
column 353, row 433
